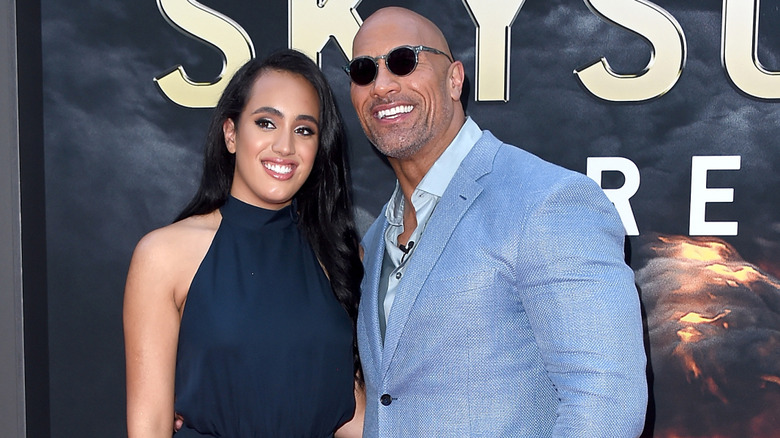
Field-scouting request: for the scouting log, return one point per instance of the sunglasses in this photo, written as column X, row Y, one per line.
column 400, row 61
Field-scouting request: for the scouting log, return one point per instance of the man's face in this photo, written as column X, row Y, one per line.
column 402, row 114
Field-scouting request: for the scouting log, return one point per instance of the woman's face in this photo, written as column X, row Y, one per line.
column 275, row 140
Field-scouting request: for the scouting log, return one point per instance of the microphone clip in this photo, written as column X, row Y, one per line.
column 405, row 249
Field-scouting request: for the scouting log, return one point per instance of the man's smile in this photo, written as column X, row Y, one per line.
column 394, row 111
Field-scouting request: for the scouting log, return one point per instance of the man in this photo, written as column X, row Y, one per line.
column 496, row 301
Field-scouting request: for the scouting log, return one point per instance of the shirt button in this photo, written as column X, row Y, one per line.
column 386, row 399
column 398, row 276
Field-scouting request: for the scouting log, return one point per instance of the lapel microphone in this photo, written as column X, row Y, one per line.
column 405, row 249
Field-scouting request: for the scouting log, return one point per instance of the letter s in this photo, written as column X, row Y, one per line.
column 667, row 57
column 204, row 24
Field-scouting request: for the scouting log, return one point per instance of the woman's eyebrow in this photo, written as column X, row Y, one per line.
column 268, row 109
column 308, row 118
column 276, row 112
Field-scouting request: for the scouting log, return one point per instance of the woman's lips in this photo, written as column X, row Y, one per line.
column 281, row 171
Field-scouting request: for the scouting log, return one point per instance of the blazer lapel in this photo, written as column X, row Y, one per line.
column 368, row 312
column 459, row 196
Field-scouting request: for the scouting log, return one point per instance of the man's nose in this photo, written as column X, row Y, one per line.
column 385, row 81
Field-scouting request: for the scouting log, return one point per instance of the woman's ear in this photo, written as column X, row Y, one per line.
column 229, row 130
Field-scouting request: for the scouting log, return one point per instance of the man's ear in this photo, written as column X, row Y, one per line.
column 229, row 130
column 456, row 77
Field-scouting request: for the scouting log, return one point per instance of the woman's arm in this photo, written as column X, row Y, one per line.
column 354, row 427
column 151, row 325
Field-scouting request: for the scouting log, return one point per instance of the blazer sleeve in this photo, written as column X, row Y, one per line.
column 584, row 310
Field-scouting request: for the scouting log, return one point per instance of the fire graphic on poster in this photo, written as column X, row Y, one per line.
column 713, row 323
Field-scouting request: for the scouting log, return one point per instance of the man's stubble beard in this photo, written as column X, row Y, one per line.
column 401, row 145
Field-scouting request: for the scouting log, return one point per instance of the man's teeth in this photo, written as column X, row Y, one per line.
column 278, row 168
column 402, row 109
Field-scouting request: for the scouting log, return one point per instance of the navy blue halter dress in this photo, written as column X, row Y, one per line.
column 265, row 349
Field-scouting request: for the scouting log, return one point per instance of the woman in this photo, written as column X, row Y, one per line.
column 266, row 259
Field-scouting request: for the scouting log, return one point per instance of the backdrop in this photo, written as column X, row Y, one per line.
column 679, row 122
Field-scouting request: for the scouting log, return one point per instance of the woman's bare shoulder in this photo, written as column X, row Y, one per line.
column 175, row 251
column 181, row 236
column 165, row 260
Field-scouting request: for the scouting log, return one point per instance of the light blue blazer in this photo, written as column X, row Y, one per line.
column 517, row 316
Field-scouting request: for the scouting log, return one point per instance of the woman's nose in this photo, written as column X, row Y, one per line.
column 284, row 144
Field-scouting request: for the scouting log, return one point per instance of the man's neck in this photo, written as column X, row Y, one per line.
column 410, row 173
column 410, row 222
column 412, row 170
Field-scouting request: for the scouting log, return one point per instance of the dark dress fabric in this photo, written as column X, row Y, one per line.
column 265, row 349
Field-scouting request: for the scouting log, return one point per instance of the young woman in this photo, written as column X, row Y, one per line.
column 240, row 315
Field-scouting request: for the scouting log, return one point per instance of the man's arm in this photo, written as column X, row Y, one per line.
column 584, row 310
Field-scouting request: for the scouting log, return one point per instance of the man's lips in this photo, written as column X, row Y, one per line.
column 279, row 170
column 393, row 111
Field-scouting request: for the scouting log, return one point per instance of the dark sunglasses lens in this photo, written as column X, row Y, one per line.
column 401, row 61
column 362, row 70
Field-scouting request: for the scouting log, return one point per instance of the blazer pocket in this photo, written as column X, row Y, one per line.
column 470, row 281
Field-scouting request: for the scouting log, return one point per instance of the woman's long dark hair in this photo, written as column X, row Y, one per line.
column 324, row 202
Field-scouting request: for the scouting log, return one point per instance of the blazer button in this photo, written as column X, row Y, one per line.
column 386, row 399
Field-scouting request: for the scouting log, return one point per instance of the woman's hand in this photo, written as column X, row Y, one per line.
column 354, row 427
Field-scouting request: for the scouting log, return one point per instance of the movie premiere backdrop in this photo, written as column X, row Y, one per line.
column 672, row 106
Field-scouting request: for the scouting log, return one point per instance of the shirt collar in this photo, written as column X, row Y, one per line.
column 440, row 174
